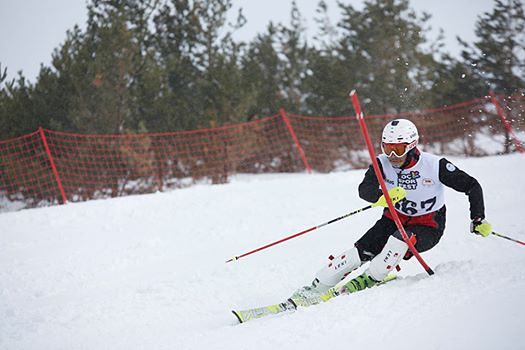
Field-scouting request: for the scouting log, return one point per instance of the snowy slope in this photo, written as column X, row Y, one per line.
column 148, row 272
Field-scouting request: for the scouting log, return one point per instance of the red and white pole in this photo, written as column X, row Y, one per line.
column 505, row 122
column 393, row 212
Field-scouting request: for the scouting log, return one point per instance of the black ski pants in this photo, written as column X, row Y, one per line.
column 423, row 237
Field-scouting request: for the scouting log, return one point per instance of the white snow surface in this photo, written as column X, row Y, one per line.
column 149, row 271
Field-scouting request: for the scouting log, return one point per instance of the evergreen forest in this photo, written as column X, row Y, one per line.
column 169, row 65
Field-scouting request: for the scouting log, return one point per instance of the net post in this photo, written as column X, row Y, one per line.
column 295, row 139
column 53, row 166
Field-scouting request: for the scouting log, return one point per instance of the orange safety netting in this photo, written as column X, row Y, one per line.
column 49, row 167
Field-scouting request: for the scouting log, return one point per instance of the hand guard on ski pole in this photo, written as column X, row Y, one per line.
column 396, row 194
column 481, row 227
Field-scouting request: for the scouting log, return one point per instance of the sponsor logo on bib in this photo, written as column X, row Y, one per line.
column 428, row 182
column 408, row 181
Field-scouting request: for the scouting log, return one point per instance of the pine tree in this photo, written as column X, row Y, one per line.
column 200, row 64
column 17, row 112
column 330, row 73
column 112, row 54
column 383, row 44
column 499, row 52
column 261, row 75
column 294, row 50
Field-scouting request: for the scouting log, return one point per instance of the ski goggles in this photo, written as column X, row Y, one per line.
column 396, row 149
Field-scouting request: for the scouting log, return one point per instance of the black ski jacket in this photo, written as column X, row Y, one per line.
column 457, row 179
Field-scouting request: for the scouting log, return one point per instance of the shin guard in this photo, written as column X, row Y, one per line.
column 392, row 253
column 337, row 269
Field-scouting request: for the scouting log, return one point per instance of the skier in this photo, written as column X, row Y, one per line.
column 422, row 212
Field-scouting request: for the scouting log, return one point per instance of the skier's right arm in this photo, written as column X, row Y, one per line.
column 369, row 188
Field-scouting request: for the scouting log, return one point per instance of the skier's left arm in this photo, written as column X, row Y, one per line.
column 457, row 179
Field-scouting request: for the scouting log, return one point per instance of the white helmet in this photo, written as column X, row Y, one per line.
column 399, row 131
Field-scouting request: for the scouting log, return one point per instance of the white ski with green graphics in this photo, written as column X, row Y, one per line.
column 291, row 305
column 251, row 314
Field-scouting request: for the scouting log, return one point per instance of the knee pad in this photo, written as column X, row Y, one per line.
column 392, row 253
column 338, row 268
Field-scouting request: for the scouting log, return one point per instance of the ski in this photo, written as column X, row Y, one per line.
column 252, row 314
column 291, row 305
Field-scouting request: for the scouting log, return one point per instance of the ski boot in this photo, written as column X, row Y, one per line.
column 314, row 294
column 358, row 283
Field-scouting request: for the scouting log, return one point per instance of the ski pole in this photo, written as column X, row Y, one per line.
column 506, row 237
column 397, row 194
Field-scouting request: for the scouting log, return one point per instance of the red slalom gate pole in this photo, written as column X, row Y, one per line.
column 505, row 122
column 393, row 212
